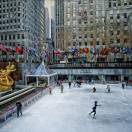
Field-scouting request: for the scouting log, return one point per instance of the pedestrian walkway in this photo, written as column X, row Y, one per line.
column 69, row 111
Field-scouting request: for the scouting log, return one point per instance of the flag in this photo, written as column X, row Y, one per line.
column 19, row 50
column 86, row 50
column 125, row 50
column 2, row 48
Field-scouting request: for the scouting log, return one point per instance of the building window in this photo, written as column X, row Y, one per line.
column 86, row 43
column 14, row 36
column 22, row 36
column 125, row 15
column 118, row 32
column 118, row 16
column 91, row 35
column 114, row 4
column 118, row 40
column 85, row 35
column 18, row 36
column 9, row 37
column 1, row 37
column 111, row 17
column 5, row 37
column 91, row 42
column 125, row 4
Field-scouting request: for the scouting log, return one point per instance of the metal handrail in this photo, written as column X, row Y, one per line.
column 14, row 97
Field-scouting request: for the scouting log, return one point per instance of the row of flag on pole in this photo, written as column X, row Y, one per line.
column 98, row 51
column 20, row 50
column 9, row 49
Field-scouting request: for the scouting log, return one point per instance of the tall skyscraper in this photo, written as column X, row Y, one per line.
column 59, row 16
column 47, row 23
column 22, row 22
column 94, row 24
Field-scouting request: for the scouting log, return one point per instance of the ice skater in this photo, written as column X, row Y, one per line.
column 94, row 89
column 69, row 83
column 123, row 85
column 74, row 83
column 62, row 88
column 50, row 90
column 126, row 83
column 19, row 108
column 94, row 109
column 108, row 88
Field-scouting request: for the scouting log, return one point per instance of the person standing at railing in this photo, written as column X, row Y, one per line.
column 19, row 108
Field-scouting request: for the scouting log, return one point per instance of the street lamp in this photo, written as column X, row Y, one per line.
column 130, row 27
column 130, row 30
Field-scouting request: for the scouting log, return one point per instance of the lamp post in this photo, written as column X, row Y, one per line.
column 130, row 30
column 130, row 27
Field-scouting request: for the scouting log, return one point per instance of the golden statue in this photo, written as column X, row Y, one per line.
column 6, row 81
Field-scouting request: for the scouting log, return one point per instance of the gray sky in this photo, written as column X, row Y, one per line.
column 50, row 4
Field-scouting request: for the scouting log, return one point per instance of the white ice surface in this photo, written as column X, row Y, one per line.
column 69, row 112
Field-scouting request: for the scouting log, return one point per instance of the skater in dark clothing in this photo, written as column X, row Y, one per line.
column 126, row 83
column 108, row 88
column 19, row 108
column 62, row 88
column 69, row 84
column 58, row 83
column 94, row 89
column 123, row 85
column 94, row 109
column 50, row 90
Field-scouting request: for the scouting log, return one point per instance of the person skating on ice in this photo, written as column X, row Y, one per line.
column 108, row 88
column 62, row 88
column 94, row 89
column 123, row 85
column 69, row 83
column 94, row 109
column 50, row 90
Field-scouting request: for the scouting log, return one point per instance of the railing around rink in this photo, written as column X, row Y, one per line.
column 12, row 96
column 93, row 65
column 26, row 101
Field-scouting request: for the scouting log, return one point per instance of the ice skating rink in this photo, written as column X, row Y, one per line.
column 69, row 111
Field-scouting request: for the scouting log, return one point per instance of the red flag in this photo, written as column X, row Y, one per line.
column 19, row 50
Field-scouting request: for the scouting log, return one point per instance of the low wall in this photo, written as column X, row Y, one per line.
column 11, row 111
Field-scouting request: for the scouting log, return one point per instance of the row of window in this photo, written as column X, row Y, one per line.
column 9, row 10
column 97, row 24
column 10, row 27
column 86, row 43
column 9, row 21
column 9, row 16
column 7, row 1
column 12, row 37
column 13, row 4
column 115, row 4
column 111, row 33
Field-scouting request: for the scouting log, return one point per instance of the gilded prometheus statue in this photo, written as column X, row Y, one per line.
column 6, row 81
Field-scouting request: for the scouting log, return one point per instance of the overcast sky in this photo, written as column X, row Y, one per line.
column 50, row 4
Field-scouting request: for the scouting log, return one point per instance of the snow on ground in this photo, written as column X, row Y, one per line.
column 69, row 112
